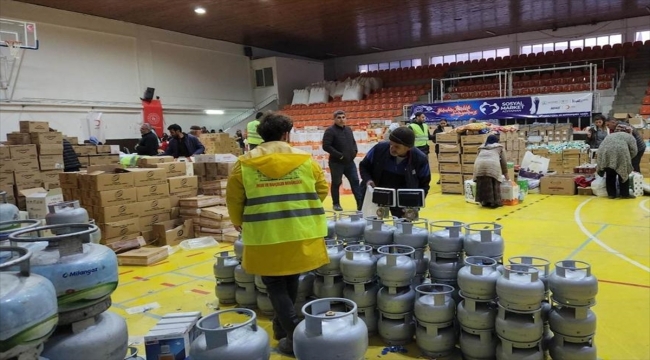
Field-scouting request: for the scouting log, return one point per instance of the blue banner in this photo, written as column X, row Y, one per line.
column 529, row 107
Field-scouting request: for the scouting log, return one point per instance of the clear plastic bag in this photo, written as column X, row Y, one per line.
column 599, row 187
column 198, row 243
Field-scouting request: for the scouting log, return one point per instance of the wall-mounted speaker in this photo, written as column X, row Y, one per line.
column 148, row 94
column 248, row 51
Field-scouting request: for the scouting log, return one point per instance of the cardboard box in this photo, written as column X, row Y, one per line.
column 50, row 149
column 109, row 241
column 211, row 169
column 450, row 168
column 472, row 139
column 173, row 168
column 69, row 180
column 451, row 137
column 146, row 222
column 51, row 179
column 114, row 179
column 451, row 178
column 449, row 148
column 18, row 138
column 468, row 158
column 199, row 169
column 101, row 159
column 7, row 179
column 23, row 152
column 73, row 140
column 51, row 162
column 83, row 150
column 103, row 149
column 6, row 166
column 180, row 184
column 175, row 213
column 157, row 206
column 4, row 153
column 34, row 126
column 52, row 137
column 28, row 180
column 448, row 158
column 470, row 149
column 174, row 199
column 585, row 191
column 152, row 192
column 37, row 200
column 147, row 177
column 175, row 338
column 108, row 214
column 215, row 158
column 11, row 199
column 114, row 197
column 225, row 168
column 120, row 228
column 152, row 160
column 142, row 257
column 558, row 185
column 172, row 232
column 26, row 165
column 622, row 116
column 452, row 188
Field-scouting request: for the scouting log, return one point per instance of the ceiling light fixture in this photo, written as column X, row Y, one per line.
column 490, row 32
column 199, row 10
column 215, row 112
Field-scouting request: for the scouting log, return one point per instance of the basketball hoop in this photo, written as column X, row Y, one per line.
column 14, row 47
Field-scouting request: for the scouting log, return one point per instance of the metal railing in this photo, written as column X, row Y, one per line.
column 241, row 117
column 502, row 82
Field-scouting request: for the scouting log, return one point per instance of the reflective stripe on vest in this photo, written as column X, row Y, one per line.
column 282, row 210
column 253, row 137
column 421, row 134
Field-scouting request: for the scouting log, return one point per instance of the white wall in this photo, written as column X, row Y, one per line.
column 627, row 27
column 296, row 74
column 86, row 62
column 262, row 93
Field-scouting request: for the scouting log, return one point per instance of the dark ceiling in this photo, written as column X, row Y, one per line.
column 331, row 28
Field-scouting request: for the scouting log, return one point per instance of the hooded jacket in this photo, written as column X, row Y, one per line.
column 274, row 160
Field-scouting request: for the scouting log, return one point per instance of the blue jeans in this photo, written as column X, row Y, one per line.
column 350, row 172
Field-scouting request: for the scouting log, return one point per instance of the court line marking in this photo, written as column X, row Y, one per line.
column 576, row 216
column 642, row 205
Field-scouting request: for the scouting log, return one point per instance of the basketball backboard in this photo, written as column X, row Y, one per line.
column 17, row 30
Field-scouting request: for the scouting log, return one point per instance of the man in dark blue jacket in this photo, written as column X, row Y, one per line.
column 396, row 164
column 182, row 144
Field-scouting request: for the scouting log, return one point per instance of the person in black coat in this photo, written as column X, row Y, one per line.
column 338, row 141
column 396, row 164
column 70, row 159
column 148, row 144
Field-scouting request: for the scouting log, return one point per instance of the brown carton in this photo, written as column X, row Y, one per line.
column 172, row 232
column 23, row 152
column 110, row 214
column 4, row 152
column 114, row 197
column 120, row 228
column 73, row 140
column 69, row 180
column 51, row 162
column 6, row 179
column 103, row 149
column 107, row 180
column 51, row 179
column 450, row 168
column 34, row 126
column 142, row 257
column 157, row 206
column 172, row 168
column 152, row 160
column 152, row 192
column 146, row 222
column 147, row 177
column 109, row 241
column 26, row 165
column 558, row 185
column 225, row 168
column 50, row 149
column 11, row 199
column 174, row 199
column 18, row 138
column 180, row 184
column 84, row 150
column 6, row 166
column 52, row 137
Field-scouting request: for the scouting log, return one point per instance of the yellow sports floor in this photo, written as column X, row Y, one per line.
column 612, row 235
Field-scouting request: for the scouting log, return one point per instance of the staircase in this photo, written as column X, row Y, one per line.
column 629, row 94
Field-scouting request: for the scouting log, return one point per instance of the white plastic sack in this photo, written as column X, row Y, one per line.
column 318, row 95
column 470, row 191
column 636, row 184
column 534, row 163
column 369, row 208
column 300, row 96
column 339, row 89
column 353, row 92
column 598, row 186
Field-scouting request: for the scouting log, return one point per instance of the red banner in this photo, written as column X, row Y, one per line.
column 153, row 115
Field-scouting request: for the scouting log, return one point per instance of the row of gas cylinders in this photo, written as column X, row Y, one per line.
column 446, row 238
column 55, row 288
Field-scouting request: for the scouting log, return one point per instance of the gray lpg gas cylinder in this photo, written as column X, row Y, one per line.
column 413, row 233
column 231, row 340
column 326, row 334
column 446, row 236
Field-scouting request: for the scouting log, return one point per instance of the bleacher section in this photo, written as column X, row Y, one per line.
column 405, row 85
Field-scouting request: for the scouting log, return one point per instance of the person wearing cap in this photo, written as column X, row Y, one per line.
column 252, row 137
column 421, row 130
column 195, row 130
column 338, row 141
column 396, row 164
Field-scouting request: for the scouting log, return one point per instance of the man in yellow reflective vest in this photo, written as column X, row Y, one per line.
column 253, row 137
column 421, row 130
column 275, row 199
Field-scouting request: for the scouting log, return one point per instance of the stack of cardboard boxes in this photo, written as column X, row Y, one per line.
column 564, row 162
column 547, row 132
column 90, row 155
column 220, row 143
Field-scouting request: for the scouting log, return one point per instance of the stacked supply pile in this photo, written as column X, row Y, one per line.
column 220, row 143
column 192, row 208
column 563, row 157
column 449, row 163
column 547, row 133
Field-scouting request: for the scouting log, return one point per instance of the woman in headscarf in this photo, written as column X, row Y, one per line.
column 488, row 168
column 615, row 160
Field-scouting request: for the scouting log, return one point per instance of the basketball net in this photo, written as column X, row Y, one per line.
column 14, row 48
